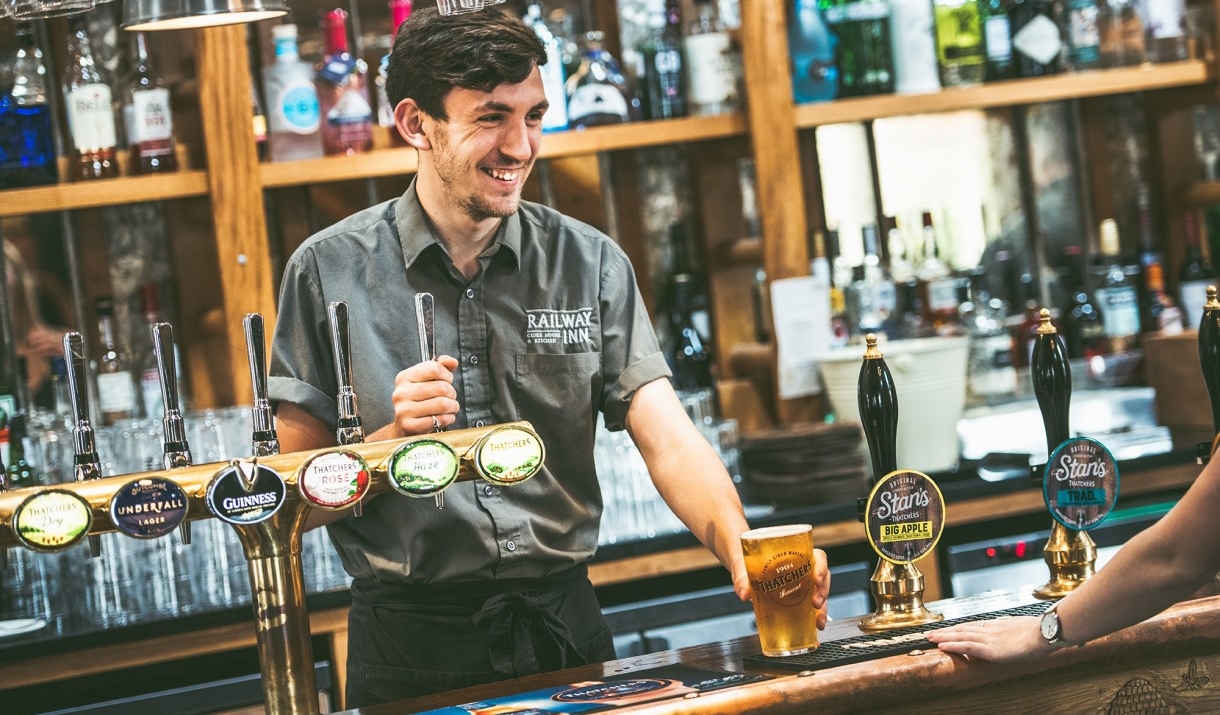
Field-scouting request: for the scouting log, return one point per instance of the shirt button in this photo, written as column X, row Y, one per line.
column 470, row 292
column 480, row 423
column 511, row 546
column 489, row 490
column 474, row 359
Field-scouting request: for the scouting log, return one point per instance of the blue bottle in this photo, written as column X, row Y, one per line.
column 815, row 76
column 27, row 147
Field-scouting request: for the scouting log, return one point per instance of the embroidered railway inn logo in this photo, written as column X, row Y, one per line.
column 558, row 327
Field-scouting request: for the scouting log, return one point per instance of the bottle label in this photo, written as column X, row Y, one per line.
column 1039, row 40
column 1194, row 297
column 150, row 390
column 116, row 393
column 991, row 370
column 709, row 59
column 959, row 36
column 297, row 109
column 597, row 99
column 999, row 41
column 556, row 116
column 857, row 12
column 1165, row 18
column 1084, row 36
column 91, row 117
column 942, row 296
column 337, row 70
column 1120, row 311
column 152, row 117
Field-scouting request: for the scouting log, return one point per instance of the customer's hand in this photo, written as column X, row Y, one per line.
column 1002, row 640
column 424, row 397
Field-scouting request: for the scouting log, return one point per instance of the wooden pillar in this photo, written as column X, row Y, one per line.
column 777, row 162
column 235, row 190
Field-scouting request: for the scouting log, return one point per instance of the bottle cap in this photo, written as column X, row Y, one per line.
column 287, row 31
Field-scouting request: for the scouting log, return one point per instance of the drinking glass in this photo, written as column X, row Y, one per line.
column 779, row 562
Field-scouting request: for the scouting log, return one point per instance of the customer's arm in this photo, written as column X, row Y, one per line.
column 1156, row 569
column 694, row 483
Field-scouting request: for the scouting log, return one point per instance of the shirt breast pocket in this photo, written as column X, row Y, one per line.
column 564, row 386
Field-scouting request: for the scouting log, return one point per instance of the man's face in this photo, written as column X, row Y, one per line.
column 484, row 152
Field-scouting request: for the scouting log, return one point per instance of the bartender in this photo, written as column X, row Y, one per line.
column 538, row 318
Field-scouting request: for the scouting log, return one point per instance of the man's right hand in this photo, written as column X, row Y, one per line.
column 424, row 392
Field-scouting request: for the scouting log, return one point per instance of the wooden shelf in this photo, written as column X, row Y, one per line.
column 1202, row 194
column 393, row 162
column 103, row 192
column 1003, row 94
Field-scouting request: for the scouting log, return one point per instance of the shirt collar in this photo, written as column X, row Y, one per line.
column 416, row 234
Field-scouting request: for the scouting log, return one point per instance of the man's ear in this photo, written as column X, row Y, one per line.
column 409, row 119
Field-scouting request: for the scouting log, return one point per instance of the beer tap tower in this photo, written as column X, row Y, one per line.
column 1209, row 362
column 897, row 585
column 1070, row 554
column 272, row 545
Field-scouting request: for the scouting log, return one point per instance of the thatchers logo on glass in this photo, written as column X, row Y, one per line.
column 558, row 327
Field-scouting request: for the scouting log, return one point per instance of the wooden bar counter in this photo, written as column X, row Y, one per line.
column 1167, row 664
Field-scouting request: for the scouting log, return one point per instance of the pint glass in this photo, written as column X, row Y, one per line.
column 779, row 561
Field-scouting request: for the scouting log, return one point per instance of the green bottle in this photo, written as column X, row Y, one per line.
column 959, row 42
column 20, row 474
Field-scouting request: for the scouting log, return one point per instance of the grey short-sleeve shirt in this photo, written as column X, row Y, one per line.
column 552, row 331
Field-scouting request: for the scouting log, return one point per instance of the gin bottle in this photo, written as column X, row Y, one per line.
column 295, row 119
column 27, row 146
column 90, row 109
column 343, row 92
column 598, row 92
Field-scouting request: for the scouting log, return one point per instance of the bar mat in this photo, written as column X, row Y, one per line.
column 898, row 641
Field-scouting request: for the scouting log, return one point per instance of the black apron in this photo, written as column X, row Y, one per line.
column 407, row 640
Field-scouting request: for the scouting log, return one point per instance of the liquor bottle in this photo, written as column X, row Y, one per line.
column 1153, row 301
column 598, row 91
column 116, row 389
column 696, row 292
column 690, row 358
column 1117, row 297
column 871, row 297
column 90, row 109
column 900, row 267
column 343, row 92
column 1121, row 34
column 1166, row 30
column 19, row 473
column 150, row 375
column 295, row 122
column 991, row 374
column 1037, row 37
column 712, row 63
column 1196, row 274
column 815, row 75
column 937, row 282
column 913, row 321
column 1083, row 330
column 866, row 62
column 400, row 10
column 147, row 116
column 997, row 36
column 27, row 141
column 1083, row 34
column 556, row 117
column 960, row 54
column 661, row 75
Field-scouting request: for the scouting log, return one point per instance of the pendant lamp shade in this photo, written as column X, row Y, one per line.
column 145, row 15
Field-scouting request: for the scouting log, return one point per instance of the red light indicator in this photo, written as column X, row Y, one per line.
column 991, row 552
column 1020, row 549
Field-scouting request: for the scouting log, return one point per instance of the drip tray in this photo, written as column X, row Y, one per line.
column 898, row 641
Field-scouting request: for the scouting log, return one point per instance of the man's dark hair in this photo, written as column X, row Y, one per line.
column 434, row 53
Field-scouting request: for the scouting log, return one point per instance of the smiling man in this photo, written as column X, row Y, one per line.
column 538, row 318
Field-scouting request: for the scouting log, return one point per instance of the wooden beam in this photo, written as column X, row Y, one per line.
column 235, row 189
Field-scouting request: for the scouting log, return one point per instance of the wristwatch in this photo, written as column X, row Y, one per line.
column 1051, row 626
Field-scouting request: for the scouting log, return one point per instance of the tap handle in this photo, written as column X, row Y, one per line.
column 177, row 451
column 1052, row 380
column 878, row 402
column 425, row 320
column 1209, row 352
column 85, row 463
column 348, row 429
column 264, row 440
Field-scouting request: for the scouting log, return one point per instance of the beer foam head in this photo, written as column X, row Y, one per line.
column 771, row 532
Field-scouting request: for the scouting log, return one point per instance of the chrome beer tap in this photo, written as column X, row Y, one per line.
column 264, row 441
column 425, row 321
column 175, row 450
column 348, row 428
column 85, row 463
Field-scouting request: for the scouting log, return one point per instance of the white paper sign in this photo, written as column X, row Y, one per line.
column 800, row 312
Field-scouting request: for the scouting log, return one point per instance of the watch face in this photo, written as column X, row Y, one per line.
column 1050, row 625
